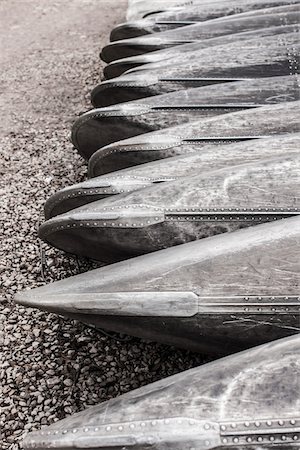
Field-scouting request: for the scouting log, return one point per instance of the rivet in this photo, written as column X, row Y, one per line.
column 259, row 439
column 247, row 424
column 225, row 441
column 75, row 430
column 235, row 440
column 295, row 437
column 283, row 438
column 233, row 425
column 280, row 422
column 257, row 424
column 64, row 431
column 143, row 424
column 86, row 430
column 120, row 428
column 223, row 428
column 292, row 422
column 269, row 423
column 249, row 439
column 108, row 428
column 131, row 426
column 272, row 438
column 207, row 443
column 206, row 426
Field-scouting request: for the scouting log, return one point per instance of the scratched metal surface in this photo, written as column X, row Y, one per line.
column 102, row 126
column 232, row 291
column 270, row 17
column 222, row 405
column 192, row 137
column 270, row 56
column 176, row 53
column 201, row 12
column 138, row 177
column 155, row 217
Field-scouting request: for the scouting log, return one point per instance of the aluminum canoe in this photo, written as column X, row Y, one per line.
column 175, row 212
column 270, row 17
column 248, row 401
column 192, row 137
column 175, row 53
column 217, row 295
column 102, row 126
column 276, row 55
column 170, row 169
column 179, row 17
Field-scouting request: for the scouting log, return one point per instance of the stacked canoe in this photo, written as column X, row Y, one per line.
column 193, row 195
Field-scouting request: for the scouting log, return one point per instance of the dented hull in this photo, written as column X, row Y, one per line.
column 270, row 17
column 102, row 126
column 138, row 177
column 248, row 401
column 179, row 52
column 270, row 56
column 179, row 211
column 216, row 295
column 188, row 15
column 192, row 137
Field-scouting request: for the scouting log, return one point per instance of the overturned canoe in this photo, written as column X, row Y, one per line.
column 144, row 175
column 270, row 17
column 270, row 56
column 192, row 137
column 188, row 15
column 244, row 401
column 247, row 401
column 102, row 126
column 217, row 295
column 172, row 54
column 179, row 211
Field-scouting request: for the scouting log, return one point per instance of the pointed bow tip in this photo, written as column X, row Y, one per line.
column 25, row 298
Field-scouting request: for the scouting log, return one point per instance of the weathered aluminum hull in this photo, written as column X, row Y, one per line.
column 248, row 401
column 144, row 175
column 194, row 136
column 217, row 295
column 179, row 211
column 271, row 17
column 187, row 16
column 172, row 54
column 102, row 126
column 270, row 56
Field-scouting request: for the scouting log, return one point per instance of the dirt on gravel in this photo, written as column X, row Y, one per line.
column 51, row 367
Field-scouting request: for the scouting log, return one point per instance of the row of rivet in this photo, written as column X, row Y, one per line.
column 195, row 211
column 261, row 439
column 245, row 425
column 130, row 426
column 260, row 431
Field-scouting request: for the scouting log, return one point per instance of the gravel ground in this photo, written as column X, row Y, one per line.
column 49, row 367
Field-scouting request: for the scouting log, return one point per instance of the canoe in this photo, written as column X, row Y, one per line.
column 245, row 401
column 179, row 17
column 217, row 295
column 175, row 53
column 270, row 17
column 102, row 126
column 192, row 137
column 172, row 213
column 266, row 57
column 144, row 175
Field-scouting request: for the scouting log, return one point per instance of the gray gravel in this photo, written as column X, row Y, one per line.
column 49, row 367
